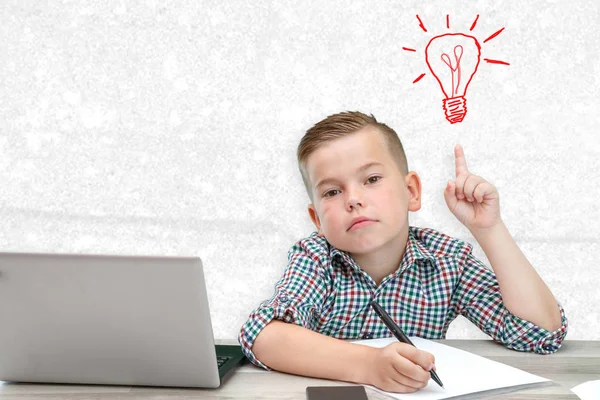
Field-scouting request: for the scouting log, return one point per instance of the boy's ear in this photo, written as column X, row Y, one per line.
column 312, row 212
column 413, row 185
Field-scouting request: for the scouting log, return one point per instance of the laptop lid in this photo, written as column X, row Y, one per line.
column 100, row 319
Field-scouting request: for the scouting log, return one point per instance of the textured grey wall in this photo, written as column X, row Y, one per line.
column 170, row 128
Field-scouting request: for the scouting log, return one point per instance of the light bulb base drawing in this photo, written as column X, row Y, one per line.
column 455, row 109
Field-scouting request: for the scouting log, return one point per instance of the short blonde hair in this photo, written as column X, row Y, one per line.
column 341, row 125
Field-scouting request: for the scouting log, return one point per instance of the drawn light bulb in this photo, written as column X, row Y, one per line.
column 453, row 59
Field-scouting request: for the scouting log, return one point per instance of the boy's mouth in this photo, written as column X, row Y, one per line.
column 360, row 222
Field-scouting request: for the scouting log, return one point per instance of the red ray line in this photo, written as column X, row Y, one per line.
column 419, row 78
column 421, row 24
column 447, row 21
column 474, row 22
column 495, row 61
column 407, row 49
column 494, row 35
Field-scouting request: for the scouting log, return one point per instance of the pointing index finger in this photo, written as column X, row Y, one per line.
column 461, row 161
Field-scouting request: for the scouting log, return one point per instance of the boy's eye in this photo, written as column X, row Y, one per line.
column 373, row 179
column 331, row 193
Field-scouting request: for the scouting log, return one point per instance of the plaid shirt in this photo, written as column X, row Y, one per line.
column 323, row 289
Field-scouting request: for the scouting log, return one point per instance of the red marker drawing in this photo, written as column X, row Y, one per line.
column 453, row 59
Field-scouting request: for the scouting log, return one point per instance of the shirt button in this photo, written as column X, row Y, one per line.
column 284, row 299
column 368, row 336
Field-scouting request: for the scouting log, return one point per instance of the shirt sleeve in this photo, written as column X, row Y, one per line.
column 478, row 298
column 297, row 299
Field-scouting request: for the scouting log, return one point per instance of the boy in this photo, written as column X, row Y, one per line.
column 356, row 175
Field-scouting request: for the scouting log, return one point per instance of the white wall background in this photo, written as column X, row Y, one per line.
column 152, row 127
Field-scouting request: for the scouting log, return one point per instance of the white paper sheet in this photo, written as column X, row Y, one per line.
column 589, row 390
column 461, row 372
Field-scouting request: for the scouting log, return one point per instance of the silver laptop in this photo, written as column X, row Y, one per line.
column 117, row 320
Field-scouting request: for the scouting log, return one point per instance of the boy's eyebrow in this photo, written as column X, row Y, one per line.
column 360, row 169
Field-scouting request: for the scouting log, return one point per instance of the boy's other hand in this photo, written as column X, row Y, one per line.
column 399, row 367
column 473, row 200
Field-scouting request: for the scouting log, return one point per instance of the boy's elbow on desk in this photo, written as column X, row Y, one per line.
column 264, row 342
column 277, row 344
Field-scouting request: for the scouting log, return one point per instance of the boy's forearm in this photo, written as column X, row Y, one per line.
column 524, row 293
column 290, row 348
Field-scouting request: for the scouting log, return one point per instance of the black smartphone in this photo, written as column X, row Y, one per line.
column 336, row 393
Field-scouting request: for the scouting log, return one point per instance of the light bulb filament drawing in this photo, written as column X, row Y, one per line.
column 456, row 69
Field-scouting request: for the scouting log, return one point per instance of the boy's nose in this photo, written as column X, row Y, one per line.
column 353, row 203
column 354, row 200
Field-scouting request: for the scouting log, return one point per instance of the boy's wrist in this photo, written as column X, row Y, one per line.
column 489, row 232
column 360, row 367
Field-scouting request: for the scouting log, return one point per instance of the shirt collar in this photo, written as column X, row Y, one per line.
column 415, row 251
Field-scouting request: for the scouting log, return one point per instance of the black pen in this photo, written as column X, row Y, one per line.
column 395, row 329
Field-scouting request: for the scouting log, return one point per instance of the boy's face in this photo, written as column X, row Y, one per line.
column 356, row 177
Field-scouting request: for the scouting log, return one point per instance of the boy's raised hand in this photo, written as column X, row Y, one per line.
column 473, row 200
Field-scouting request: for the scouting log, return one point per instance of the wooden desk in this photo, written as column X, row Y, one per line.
column 575, row 363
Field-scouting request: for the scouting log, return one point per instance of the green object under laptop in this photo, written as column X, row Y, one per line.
column 107, row 319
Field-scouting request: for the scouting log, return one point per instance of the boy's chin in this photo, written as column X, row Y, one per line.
column 356, row 246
